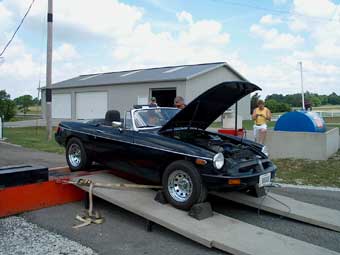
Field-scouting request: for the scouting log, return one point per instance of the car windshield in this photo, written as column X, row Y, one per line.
column 153, row 117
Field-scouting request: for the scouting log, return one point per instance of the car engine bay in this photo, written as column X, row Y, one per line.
column 214, row 142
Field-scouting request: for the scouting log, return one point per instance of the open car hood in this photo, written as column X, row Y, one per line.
column 207, row 107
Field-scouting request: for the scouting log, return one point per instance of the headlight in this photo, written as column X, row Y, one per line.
column 264, row 150
column 218, row 160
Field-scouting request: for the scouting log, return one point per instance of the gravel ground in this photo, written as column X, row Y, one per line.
column 17, row 236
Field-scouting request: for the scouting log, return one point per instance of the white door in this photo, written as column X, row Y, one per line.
column 91, row 105
column 61, row 106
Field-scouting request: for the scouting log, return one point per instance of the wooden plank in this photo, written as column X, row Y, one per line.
column 288, row 207
column 219, row 231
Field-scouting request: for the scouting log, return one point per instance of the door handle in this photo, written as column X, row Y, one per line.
column 100, row 131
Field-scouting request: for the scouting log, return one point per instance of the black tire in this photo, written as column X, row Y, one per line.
column 191, row 177
column 84, row 161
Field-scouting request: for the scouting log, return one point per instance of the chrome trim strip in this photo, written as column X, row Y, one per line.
column 147, row 146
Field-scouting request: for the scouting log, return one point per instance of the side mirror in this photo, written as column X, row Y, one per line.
column 116, row 124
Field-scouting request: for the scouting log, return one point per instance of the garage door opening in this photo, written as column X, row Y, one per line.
column 165, row 97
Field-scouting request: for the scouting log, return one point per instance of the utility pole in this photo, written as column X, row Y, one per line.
column 49, row 70
column 302, row 92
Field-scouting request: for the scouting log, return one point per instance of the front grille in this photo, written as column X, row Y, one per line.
column 253, row 168
column 243, row 155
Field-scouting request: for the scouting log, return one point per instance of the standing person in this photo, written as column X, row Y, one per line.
column 153, row 102
column 179, row 102
column 261, row 115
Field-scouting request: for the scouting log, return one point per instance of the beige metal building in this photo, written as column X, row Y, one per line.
column 90, row 96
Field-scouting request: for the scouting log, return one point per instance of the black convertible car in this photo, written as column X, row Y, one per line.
column 172, row 147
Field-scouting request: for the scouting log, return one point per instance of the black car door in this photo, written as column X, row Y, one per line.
column 112, row 144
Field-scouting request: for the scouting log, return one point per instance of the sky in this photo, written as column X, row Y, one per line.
column 262, row 40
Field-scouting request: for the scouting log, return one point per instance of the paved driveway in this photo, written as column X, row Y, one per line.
column 16, row 155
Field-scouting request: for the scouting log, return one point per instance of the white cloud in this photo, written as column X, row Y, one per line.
column 273, row 39
column 122, row 31
column 199, row 41
column 315, row 8
column 110, row 18
column 65, row 52
column 5, row 15
column 282, row 75
column 327, row 49
column 18, row 62
column 270, row 20
column 297, row 24
column 18, row 71
column 134, row 43
column 321, row 24
column 184, row 16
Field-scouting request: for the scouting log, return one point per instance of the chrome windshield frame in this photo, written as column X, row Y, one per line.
column 133, row 111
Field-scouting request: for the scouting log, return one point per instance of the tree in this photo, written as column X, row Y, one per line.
column 36, row 101
column 24, row 102
column 333, row 99
column 253, row 102
column 7, row 106
column 275, row 106
column 4, row 95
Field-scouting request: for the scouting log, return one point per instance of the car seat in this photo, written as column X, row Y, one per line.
column 110, row 116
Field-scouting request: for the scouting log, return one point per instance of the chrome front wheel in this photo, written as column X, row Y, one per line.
column 180, row 185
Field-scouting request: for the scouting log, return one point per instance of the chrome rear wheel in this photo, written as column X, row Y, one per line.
column 74, row 155
column 77, row 157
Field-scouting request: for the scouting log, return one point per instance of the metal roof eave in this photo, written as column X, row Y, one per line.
column 110, row 84
column 225, row 64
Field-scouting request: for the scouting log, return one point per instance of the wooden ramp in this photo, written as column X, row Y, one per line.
column 219, row 231
column 288, row 207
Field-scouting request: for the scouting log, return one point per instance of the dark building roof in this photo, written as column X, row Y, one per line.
column 159, row 74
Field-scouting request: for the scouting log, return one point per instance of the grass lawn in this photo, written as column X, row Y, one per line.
column 247, row 124
column 308, row 172
column 22, row 117
column 327, row 108
column 32, row 137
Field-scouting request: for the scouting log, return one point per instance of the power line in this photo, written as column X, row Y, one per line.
column 279, row 11
column 17, row 29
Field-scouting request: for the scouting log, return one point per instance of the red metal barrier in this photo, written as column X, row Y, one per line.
column 240, row 132
column 29, row 197
column 18, row 199
column 14, row 200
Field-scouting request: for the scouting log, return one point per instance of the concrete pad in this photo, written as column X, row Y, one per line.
column 288, row 207
column 219, row 231
column 302, row 145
